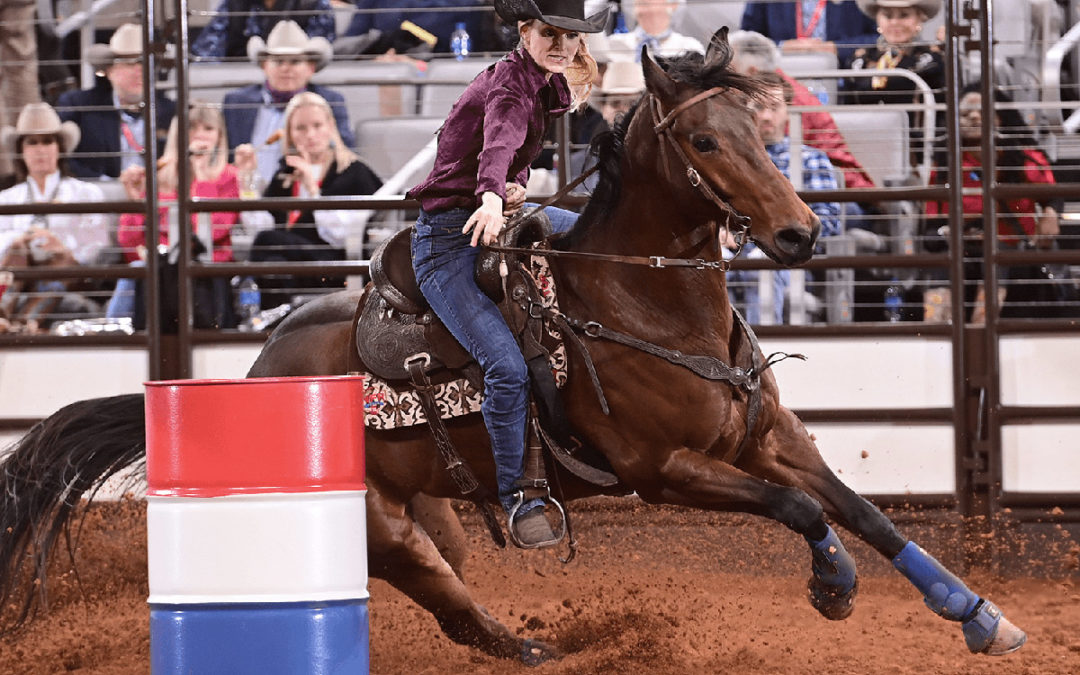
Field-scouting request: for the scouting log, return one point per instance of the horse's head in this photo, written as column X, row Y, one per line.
column 711, row 154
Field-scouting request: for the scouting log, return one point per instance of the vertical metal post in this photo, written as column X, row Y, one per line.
column 991, row 446
column 183, row 196
column 954, row 39
column 152, row 283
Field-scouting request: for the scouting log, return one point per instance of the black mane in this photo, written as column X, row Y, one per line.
column 608, row 147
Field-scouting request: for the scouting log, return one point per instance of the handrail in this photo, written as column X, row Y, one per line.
column 928, row 106
column 1051, row 77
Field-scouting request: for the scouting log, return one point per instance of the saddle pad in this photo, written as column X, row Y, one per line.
column 387, row 406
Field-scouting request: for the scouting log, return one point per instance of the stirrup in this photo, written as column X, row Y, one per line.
column 519, row 501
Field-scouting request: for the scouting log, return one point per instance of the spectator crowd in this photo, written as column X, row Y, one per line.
column 292, row 131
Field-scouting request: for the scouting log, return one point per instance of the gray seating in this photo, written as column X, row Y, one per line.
column 879, row 139
column 210, row 80
column 365, row 98
column 387, row 144
column 809, row 62
column 437, row 99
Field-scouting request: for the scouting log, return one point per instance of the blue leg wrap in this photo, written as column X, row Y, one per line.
column 942, row 591
column 832, row 564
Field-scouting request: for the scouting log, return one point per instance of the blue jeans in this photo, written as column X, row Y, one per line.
column 445, row 266
column 561, row 219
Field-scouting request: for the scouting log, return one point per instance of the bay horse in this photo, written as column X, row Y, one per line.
column 684, row 162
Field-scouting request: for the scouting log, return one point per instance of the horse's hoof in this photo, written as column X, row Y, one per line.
column 534, row 652
column 834, row 605
column 989, row 632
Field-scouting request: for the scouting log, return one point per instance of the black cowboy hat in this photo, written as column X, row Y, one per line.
column 565, row 14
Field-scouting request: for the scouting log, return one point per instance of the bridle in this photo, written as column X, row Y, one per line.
column 735, row 222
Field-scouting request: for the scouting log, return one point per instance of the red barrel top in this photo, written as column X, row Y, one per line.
column 209, row 438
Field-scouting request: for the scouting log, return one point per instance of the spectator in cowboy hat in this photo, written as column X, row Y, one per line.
column 256, row 112
column 238, row 21
column 110, row 114
column 900, row 46
column 38, row 141
column 622, row 85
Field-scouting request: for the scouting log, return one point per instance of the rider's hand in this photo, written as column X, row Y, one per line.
column 487, row 221
column 515, row 199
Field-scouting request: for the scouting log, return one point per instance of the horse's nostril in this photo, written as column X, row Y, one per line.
column 793, row 239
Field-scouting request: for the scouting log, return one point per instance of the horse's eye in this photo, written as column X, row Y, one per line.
column 704, row 143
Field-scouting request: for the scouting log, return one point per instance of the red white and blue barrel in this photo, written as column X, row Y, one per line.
column 256, row 527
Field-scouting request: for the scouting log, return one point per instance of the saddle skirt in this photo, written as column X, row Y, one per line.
column 394, row 325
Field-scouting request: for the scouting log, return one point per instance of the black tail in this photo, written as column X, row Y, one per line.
column 44, row 477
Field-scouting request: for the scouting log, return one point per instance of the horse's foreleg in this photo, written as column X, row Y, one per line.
column 788, row 455
column 694, row 479
column 402, row 553
column 443, row 526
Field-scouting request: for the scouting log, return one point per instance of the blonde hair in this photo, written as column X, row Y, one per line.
column 198, row 113
column 343, row 156
column 580, row 74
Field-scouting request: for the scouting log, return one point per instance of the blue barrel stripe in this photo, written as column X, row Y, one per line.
column 319, row 638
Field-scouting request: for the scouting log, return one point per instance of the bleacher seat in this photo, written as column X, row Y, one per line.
column 809, row 62
column 367, row 101
column 387, row 144
column 437, row 99
column 209, row 81
column 879, row 139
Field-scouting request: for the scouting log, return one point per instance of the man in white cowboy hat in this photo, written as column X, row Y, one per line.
column 110, row 114
column 622, row 85
column 253, row 113
column 38, row 141
column 238, row 21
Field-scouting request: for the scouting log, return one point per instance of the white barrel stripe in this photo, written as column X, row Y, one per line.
column 278, row 547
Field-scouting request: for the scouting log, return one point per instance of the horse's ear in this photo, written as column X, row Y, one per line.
column 719, row 49
column 656, row 80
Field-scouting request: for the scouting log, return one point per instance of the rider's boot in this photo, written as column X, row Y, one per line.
column 532, row 529
column 985, row 629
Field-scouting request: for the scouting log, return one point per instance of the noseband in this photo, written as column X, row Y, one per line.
column 735, row 222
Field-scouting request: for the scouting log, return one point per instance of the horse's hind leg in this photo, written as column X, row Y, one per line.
column 402, row 553
column 787, row 455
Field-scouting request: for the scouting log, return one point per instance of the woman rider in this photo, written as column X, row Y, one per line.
column 493, row 133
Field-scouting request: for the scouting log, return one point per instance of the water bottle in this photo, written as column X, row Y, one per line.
column 893, row 300
column 248, row 302
column 817, row 88
column 620, row 21
column 459, row 41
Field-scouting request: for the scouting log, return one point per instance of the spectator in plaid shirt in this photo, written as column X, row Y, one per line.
column 771, row 113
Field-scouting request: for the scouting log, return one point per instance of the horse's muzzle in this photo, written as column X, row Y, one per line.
column 794, row 244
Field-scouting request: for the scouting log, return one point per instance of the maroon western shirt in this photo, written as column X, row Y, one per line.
column 493, row 133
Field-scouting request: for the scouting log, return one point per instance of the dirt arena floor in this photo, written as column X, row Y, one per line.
column 652, row 591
